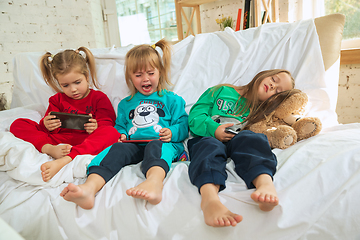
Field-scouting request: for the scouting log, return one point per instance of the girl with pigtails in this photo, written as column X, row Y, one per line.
column 72, row 76
column 149, row 112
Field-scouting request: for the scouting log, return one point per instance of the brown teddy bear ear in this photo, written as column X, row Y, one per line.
column 294, row 104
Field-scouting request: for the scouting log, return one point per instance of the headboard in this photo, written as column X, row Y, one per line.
column 330, row 29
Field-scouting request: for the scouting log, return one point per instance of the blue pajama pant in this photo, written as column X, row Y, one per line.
column 155, row 153
column 250, row 152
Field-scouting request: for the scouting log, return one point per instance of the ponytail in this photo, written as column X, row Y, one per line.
column 46, row 70
column 68, row 60
column 166, row 60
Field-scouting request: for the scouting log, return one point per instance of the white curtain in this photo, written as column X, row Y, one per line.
column 300, row 9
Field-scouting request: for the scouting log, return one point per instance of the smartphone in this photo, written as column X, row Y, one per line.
column 71, row 121
column 138, row 141
column 229, row 130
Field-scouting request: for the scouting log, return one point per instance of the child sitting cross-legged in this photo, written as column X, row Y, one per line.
column 150, row 112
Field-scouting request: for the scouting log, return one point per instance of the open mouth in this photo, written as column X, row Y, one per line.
column 146, row 88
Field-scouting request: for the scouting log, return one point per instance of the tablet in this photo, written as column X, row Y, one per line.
column 71, row 121
column 138, row 141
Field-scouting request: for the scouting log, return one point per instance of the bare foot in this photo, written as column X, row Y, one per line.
column 84, row 194
column 56, row 151
column 149, row 190
column 265, row 195
column 49, row 169
column 215, row 213
column 79, row 194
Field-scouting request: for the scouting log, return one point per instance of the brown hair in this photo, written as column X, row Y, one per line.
column 268, row 106
column 144, row 56
column 66, row 61
column 250, row 91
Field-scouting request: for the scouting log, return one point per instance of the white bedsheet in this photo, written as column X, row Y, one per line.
column 317, row 179
column 317, row 186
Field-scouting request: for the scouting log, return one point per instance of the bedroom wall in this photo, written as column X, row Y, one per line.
column 41, row 25
column 348, row 106
column 217, row 10
column 45, row 25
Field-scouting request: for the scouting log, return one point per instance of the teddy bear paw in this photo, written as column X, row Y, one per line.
column 308, row 128
column 288, row 140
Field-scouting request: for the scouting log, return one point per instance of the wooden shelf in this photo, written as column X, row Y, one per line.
column 193, row 2
column 271, row 7
column 351, row 56
column 195, row 11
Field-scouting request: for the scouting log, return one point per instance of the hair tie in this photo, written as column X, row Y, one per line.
column 50, row 58
column 81, row 53
column 153, row 46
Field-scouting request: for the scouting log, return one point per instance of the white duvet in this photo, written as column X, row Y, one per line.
column 317, row 179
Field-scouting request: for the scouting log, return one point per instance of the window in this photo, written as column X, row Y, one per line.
column 146, row 21
column 351, row 9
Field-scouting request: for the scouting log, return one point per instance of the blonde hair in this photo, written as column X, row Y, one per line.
column 144, row 56
column 268, row 106
column 66, row 61
column 250, row 91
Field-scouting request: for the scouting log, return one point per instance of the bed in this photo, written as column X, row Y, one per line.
column 317, row 178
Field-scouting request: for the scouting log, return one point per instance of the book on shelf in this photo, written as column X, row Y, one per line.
column 238, row 20
column 246, row 22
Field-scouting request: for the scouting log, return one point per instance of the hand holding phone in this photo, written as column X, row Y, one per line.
column 91, row 126
column 51, row 123
column 137, row 141
column 71, row 121
column 229, row 130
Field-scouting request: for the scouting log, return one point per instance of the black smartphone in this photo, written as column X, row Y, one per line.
column 71, row 121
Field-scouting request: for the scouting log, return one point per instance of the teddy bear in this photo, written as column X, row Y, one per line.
column 285, row 126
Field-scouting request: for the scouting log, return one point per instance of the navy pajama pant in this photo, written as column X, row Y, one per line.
column 250, row 152
column 110, row 161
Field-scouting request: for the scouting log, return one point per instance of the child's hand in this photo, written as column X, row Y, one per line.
column 223, row 136
column 51, row 123
column 165, row 135
column 91, row 126
column 122, row 137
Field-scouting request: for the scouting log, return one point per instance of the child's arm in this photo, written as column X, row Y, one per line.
column 222, row 135
column 92, row 126
column 165, row 134
column 121, row 121
column 179, row 127
column 103, row 111
column 122, row 137
column 200, row 121
column 48, row 122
